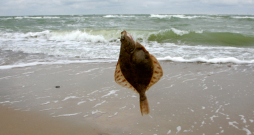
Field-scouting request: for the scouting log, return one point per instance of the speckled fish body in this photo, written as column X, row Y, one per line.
column 136, row 69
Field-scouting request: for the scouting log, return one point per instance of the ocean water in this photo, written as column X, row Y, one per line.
column 33, row 40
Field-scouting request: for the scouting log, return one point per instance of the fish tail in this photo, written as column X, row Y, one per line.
column 144, row 106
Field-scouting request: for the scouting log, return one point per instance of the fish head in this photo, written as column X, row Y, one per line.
column 127, row 42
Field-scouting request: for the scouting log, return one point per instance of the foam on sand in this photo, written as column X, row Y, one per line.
column 99, row 103
column 113, row 114
column 110, row 93
column 66, row 115
column 69, row 97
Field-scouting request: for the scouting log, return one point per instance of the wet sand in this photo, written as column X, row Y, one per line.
column 17, row 122
column 191, row 98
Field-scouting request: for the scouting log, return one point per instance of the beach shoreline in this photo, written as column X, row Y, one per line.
column 191, row 98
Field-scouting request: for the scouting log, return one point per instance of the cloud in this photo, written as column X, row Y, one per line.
column 63, row 7
column 227, row 2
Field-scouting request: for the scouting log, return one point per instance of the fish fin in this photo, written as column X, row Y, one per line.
column 144, row 107
column 157, row 72
column 121, row 80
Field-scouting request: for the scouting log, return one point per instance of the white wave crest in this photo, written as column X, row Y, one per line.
column 35, row 17
column 176, row 31
column 76, row 35
column 179, row 32
column 160, row 16
column 6, row 18
column 117, row 16
column 176, row 16
column 243, row 17
column 51, row 17
column 186, row 17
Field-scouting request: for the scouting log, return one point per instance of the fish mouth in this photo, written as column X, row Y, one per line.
column 124, row 33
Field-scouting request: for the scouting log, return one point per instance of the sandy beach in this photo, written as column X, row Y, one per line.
column 190, row 99
column 17, row 122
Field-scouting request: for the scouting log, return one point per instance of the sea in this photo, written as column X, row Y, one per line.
column 65, row 39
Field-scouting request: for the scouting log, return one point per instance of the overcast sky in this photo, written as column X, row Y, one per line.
column 71, row 7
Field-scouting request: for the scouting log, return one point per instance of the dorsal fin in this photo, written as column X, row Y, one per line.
column 120, row 79
column 157, row 72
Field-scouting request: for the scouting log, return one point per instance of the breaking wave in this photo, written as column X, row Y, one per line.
column 201, row 37
column 173, row 35
column 75, row 35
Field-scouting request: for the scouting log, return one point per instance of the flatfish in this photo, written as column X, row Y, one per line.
column 137, row 69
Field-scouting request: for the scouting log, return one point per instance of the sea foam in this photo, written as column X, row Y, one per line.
column 175, row 16
column 117, row 16
column 76, row 35
column 243, row 17
column 204, row 60
column 176, row 59
column 179, row 32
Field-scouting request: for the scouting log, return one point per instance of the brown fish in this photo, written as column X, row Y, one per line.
column 136, row 69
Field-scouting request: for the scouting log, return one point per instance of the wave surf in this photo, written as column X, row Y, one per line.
column 181, row 38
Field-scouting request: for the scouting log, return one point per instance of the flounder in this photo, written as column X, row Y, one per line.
column 136, row 69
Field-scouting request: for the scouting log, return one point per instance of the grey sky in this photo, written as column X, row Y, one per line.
column 70, row 7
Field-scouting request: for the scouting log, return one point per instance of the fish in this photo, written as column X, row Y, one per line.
column 137, row 69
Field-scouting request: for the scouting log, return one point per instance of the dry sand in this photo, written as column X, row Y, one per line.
column 191, row 98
